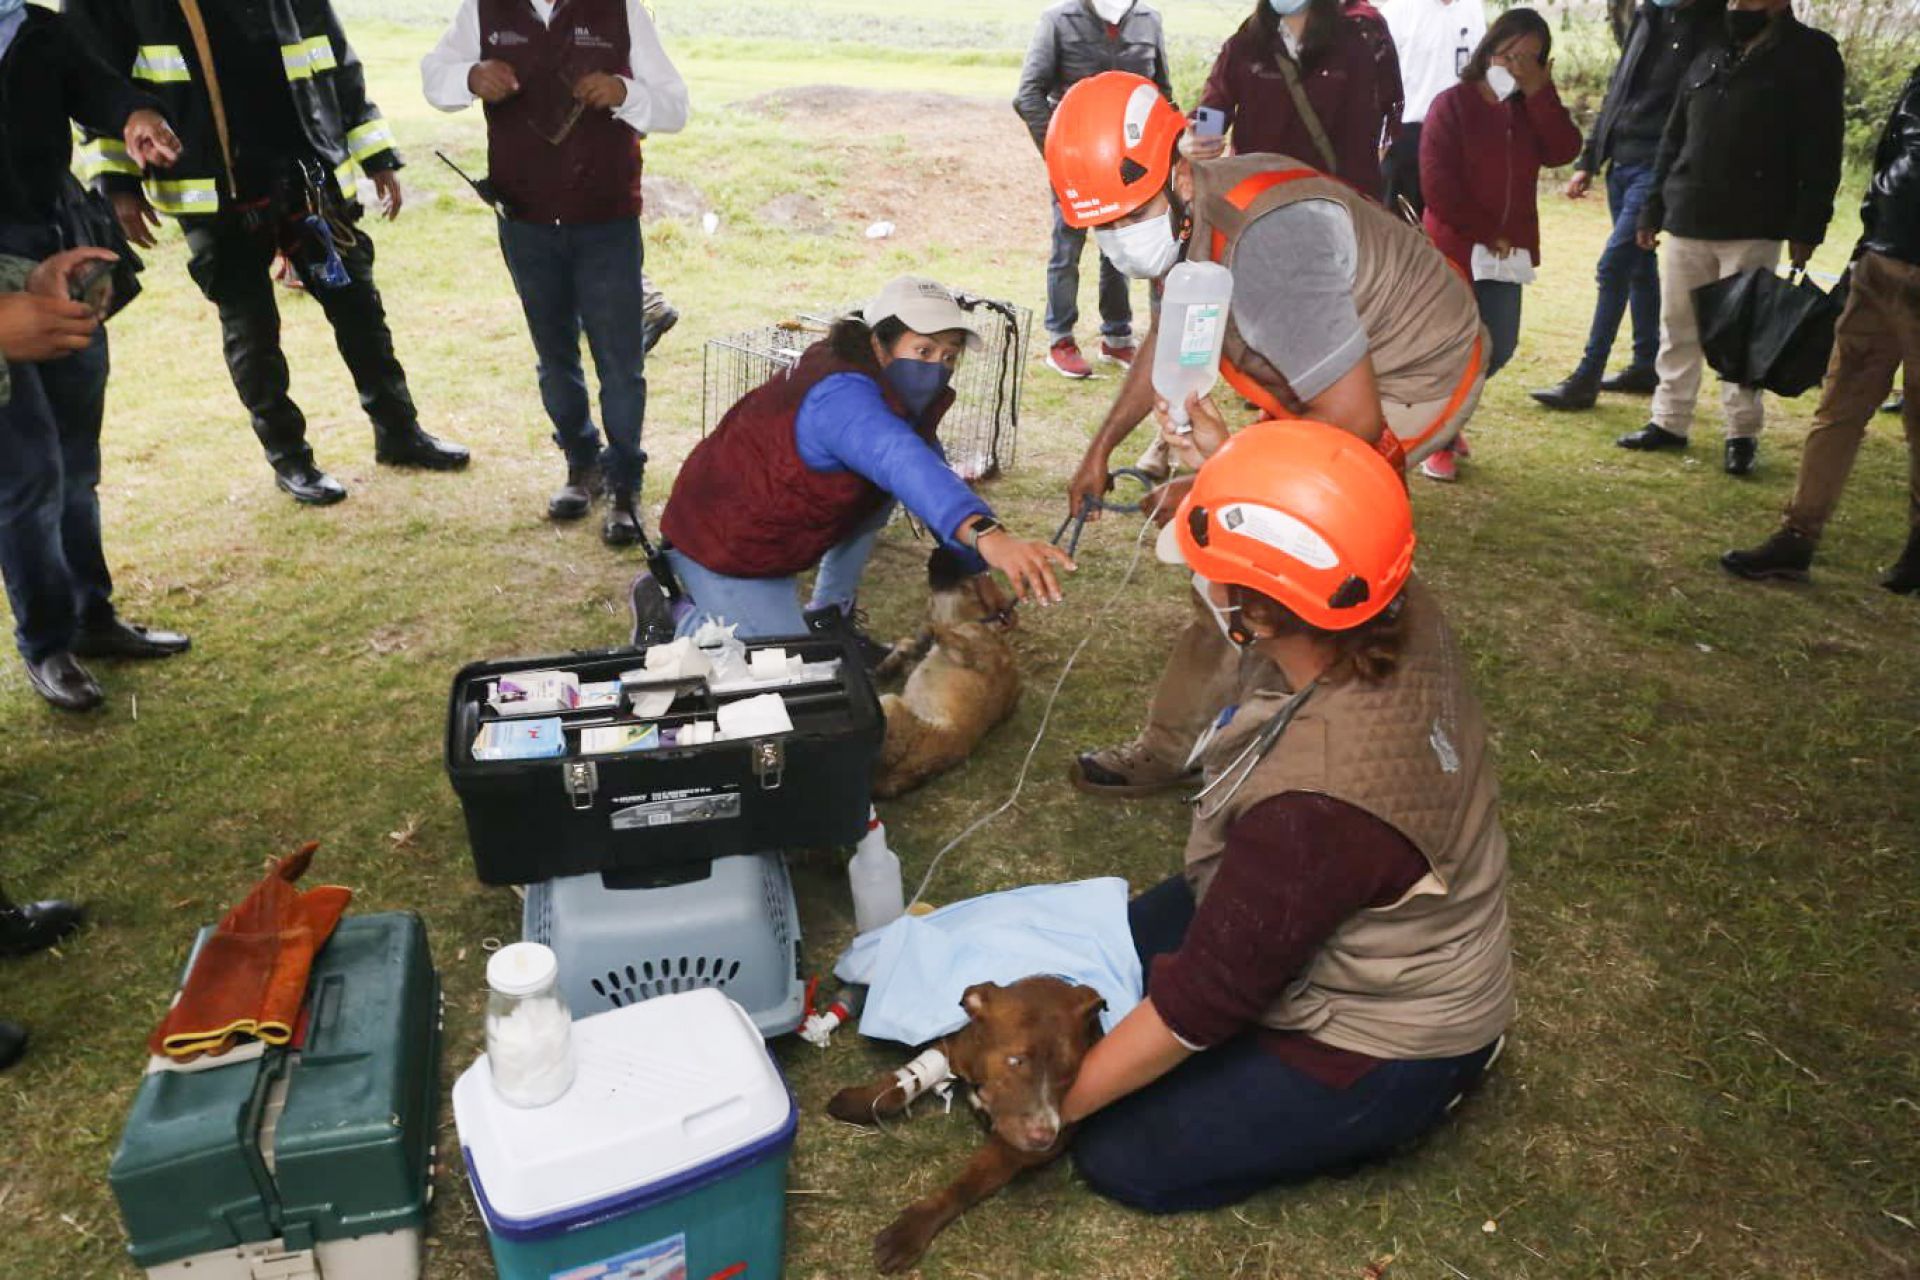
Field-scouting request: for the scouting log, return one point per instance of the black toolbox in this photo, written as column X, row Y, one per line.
column 638, row 812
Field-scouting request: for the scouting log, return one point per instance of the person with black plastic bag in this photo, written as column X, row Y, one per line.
column 53, row 397
column 1750, row 159
column 1878, row 332
column 272, row 107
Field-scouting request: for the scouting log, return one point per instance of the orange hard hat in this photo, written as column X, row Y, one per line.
column 1110, row 147
column 1305, row 514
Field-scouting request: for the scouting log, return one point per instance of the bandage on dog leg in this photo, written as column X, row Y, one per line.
column 922, row 1074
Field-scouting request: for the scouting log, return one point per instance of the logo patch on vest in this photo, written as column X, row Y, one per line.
column 588, row 39
column 498, row 38
column 1443, row 749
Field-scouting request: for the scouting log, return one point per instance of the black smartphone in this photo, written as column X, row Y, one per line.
column 92, row 284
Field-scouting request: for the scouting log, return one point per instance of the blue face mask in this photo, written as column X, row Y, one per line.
column 1287, row 8
column 918, row 383
column 1666, row 4
column 10, row 7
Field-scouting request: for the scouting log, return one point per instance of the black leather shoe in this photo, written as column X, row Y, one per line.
column 1741, row 456
column 1786, row 555
column 1651, row 438
column 1574, row 393
column 622, row 525
column 13, row 1043
column 831, row 620
column 1896, row 405
column 37, row 926
column 1904, row 578
column 575, row 497
column 1636, row 380
column 658, row 323
column 421, row 450
column 308, row 485
column 121, row 639
column 62, row 681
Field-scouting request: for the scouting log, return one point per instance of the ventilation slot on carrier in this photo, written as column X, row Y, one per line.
column 630, row 984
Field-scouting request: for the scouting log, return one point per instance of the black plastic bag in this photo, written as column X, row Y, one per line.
column 1762, row 330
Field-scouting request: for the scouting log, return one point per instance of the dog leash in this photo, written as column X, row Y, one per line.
column 1091, row 504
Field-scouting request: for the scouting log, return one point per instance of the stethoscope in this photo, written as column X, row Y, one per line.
column 1235, row 775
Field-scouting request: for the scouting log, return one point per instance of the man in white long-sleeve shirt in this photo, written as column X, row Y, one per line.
column 1434, row 39
column 569, row 90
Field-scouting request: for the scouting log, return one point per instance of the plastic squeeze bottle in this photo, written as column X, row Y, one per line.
column 1192, row 329
column 874, row 875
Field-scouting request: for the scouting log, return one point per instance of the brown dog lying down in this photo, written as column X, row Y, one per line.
column 1018, row 1056
column 967, row 684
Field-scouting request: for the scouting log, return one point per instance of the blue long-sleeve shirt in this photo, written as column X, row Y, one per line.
column 844, row 424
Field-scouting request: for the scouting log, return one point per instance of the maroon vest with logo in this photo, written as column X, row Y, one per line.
column 593, row 173
column 746, row 505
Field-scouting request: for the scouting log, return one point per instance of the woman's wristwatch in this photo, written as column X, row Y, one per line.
column 980, row 529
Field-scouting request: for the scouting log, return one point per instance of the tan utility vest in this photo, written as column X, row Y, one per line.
column 1423, row 324
column 1430, row 976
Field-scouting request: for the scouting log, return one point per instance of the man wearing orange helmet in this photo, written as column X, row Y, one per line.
column 1333, row 970
column 1342, row 313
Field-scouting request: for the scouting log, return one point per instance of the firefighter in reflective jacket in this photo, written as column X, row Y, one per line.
column 276, row 133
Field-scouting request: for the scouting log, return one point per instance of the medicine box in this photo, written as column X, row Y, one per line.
column 310, row 1162
column 584, row 811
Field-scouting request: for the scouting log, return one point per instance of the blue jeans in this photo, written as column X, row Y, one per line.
column 1063, row 286
column 586, row 277
column 1235, row 1120
column 50, row 553
column 1500, row 311
column 771, row 606
column 1628, row 276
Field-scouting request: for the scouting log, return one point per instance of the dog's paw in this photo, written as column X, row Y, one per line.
column 855, row 1105
column 903, row 1243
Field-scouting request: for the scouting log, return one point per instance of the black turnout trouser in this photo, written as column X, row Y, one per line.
column 232, row 263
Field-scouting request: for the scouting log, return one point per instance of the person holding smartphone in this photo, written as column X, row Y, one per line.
column 53, row 396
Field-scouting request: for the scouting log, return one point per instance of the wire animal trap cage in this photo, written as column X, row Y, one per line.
column 981, row 432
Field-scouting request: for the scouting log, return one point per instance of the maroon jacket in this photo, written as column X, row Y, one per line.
column 746, row 505
column 1353, row 86
column 593, row 174
column 1480, row 167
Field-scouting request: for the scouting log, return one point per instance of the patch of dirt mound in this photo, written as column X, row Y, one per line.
column 796, row 211
column 968, row 175
column 671, row 198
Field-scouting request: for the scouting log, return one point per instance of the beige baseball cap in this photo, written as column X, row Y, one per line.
column 924, row 306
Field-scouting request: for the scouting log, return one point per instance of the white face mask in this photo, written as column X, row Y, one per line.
column 1501, row 81
column 1144, row 251
column 1111, row 11
column 1222, row 614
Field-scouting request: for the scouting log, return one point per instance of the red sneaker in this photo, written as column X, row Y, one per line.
column 1461, row 449
column 1064, row 358
column 1121, row 353
column 1440, row 466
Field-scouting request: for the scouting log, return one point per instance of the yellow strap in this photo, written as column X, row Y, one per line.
column 104, row 156
column 369, row 139
column 183, row 197
column 161, row 64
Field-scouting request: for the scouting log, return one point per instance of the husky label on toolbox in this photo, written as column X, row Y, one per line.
column 678, row 793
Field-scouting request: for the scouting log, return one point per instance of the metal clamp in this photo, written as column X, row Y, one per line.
column 1078, row 522
column 769, row 763
column 582, row 780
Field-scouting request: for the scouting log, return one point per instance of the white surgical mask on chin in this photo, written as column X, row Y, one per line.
column 1501, row 81
column 1111, row 11
column 1144, row 251
column 1222, row 614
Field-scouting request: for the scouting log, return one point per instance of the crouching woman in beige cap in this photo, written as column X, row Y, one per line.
column 803, row 472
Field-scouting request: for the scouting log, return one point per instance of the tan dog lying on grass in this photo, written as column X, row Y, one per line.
column 967, row 684
column 1018, row 1055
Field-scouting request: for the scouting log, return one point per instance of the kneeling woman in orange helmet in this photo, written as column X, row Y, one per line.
column 1332, row 972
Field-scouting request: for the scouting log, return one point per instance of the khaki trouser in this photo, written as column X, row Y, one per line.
column 1685, row 266
column 1201, row 674
column 1878, row 332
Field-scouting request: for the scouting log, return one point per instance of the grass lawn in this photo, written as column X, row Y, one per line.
column 1709, row 786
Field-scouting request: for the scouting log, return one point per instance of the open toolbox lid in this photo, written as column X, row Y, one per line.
column 667, row 1094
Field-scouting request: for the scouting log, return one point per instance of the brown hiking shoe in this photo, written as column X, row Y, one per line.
column 1126, row 771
